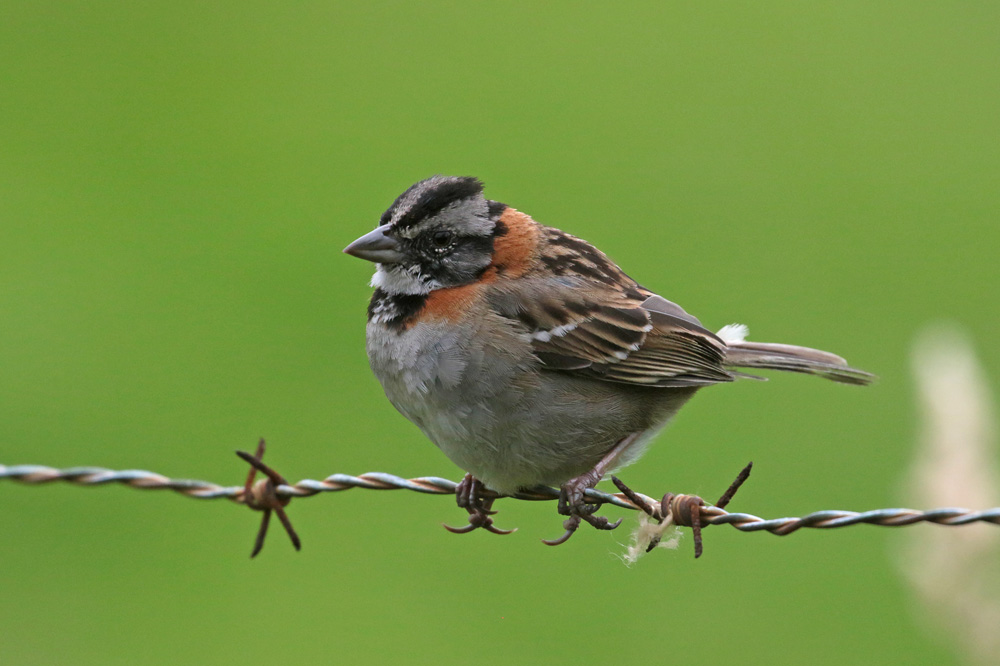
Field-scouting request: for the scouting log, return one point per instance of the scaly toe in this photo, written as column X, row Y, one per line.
column 602, row 523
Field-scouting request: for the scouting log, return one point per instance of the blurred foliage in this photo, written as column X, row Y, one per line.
column 177, row 181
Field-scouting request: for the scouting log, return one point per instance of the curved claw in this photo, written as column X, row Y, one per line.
column 571, row 524
column 496, row 530
column 465, row 529
column 489, row 527
column 561, row 540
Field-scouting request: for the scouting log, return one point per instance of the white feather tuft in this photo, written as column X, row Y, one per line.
column 648, row 531
column 734, row 333
column 401, row 280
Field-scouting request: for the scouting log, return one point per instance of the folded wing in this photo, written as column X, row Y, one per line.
column 630, row 336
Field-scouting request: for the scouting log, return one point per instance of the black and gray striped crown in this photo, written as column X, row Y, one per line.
column 428, row 197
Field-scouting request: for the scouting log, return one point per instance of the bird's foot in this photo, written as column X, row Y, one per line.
column 573, row 503
column 469, row 496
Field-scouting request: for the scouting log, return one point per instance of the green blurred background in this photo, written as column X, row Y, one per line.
column 177, row 181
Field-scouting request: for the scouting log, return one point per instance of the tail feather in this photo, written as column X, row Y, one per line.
column 773, row 356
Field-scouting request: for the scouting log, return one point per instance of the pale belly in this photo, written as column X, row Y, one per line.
column 495, row 414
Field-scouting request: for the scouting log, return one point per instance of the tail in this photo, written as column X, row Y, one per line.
column 772, row 356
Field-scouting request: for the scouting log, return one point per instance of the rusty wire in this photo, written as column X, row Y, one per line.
column 709, row 514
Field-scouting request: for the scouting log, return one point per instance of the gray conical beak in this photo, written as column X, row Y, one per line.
column 376, row 246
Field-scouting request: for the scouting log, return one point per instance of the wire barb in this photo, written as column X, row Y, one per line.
column 707, row 514
column 262, row 496
column 683, row 510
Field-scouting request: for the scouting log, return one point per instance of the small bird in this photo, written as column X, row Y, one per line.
column 528, row 356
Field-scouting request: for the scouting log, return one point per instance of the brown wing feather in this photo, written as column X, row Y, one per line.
column 629, row 335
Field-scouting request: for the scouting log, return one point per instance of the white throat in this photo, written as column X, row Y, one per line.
column 401, row 280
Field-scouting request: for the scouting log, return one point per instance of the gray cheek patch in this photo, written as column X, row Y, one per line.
column 468, row 217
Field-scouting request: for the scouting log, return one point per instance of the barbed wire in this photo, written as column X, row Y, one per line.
column 144, row 480
column 274, row 493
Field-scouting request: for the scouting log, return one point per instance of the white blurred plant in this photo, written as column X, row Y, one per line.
column 954, row 571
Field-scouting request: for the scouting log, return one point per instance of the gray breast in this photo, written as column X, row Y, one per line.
column 478, row 393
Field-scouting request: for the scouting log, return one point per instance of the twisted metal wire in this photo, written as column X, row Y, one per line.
column 710, row 515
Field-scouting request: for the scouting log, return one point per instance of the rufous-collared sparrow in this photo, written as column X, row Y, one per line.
column 528, row 356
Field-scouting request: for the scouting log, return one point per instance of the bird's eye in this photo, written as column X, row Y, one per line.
column 442, row 238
